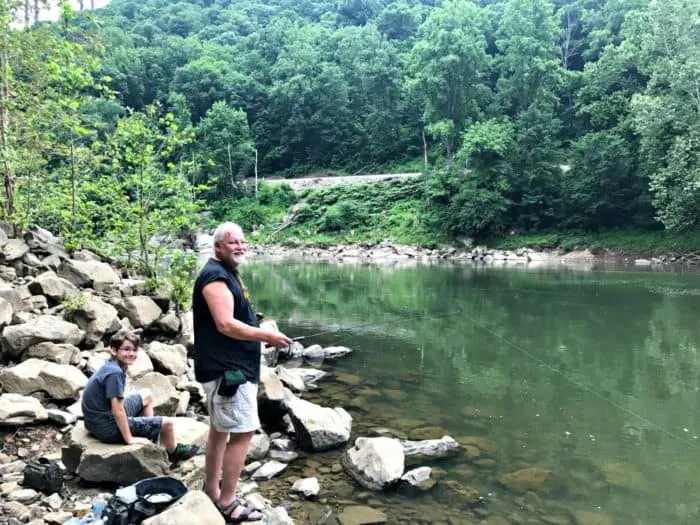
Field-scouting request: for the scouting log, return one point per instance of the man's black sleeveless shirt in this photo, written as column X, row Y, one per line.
column 214, row 352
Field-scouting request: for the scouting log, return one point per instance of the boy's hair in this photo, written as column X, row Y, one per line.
column 117, row 339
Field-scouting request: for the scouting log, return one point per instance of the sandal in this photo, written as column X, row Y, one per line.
column 247, row 514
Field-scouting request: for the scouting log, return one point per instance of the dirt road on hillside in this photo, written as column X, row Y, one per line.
column 317, row 182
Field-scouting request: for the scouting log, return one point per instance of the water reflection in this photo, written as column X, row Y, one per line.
column 593, row 376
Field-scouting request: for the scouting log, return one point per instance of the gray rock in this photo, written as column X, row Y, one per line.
column 193, row 507
column 290, row 378
column 417, row 476
column 313, row 353
column 361, row 515
column 142, row 311
column 309, row 487
column 17, row 338
column 259, row 447
column 141, row 366
column 96, row 318
column 61, row 417
column 86, row 255
column 8, row 273
column 35, row 303
column 34, row 375
column 169, row 323
column 100, row 462
column 6, row 312
column 55, row 288
column 276, row 516
column 283, row 456
column 10, row 294
column 171, row 358
column 333, row 352
column 25, row 496
column 268, row 471
column 319, row 428
column 92, row 274
column 186, row 330
column 434, row 448
column 61, row 353
column 13, row 250
column 16, row 409
column 375, row 463
column 165, row 397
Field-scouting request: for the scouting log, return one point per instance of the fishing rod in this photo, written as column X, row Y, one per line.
column 355, row 327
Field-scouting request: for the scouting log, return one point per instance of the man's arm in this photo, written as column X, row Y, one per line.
column 220, row 302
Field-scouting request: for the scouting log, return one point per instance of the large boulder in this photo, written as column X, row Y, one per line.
column 375, row 463
column 141, row 366
column 16, row 409
column 88, row 274
column 190, row 431
column 35, row 375
column 171, row 358
column 19, row 337
column 13, row 250
column 319, row 428
column 165, row 396
column 259, row 447
column 55, row 288
column 99, row 462
column 96, row 318
column 141, row 310
column 61, row 353
column 193, row 507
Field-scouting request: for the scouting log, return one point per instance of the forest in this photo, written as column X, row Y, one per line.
column 123, row 124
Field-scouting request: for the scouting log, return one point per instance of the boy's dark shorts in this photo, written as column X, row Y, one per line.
column 147, row 427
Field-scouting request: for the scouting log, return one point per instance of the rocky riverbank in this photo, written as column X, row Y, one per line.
column 57, row 311
column 397, row 254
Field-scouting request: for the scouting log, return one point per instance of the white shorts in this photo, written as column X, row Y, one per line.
column 237, row 414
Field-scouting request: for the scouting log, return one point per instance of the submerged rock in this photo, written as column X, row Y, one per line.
column 375, row 463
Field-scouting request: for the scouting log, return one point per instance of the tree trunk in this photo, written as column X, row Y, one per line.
column 425, row 151
column 81, row 4
column 256, row 172
column 36, row 11
column 73, row 185
column 8, row 176
column 92, row 5
column 27, row 13
column 230, row 167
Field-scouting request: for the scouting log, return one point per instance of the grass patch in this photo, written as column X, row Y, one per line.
column 626, row 241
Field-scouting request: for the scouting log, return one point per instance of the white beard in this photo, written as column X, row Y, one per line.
column 238, row 260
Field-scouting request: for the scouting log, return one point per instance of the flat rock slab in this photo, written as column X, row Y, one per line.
column 361, row 515
column 193, row 507
column 269, row 470
column 100, row 462
column 16, row 409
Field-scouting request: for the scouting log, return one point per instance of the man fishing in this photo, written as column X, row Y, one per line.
column 227, row 363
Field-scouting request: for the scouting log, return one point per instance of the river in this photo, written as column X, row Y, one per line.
column 591, row 380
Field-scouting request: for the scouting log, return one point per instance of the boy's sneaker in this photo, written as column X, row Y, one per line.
column 183, row 452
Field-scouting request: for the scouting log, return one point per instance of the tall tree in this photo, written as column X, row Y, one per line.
column 448, row 67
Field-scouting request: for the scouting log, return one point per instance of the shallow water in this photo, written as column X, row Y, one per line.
column 593, row 377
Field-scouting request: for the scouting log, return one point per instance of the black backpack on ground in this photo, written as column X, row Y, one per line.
column 44, row 475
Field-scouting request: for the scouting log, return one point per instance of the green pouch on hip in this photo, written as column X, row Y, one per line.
column 230, row 382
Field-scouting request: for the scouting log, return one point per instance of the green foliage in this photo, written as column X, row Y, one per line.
column 73, row 302
column 180, row 277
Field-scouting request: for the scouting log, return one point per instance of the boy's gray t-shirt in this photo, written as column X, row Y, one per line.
column 106, row 383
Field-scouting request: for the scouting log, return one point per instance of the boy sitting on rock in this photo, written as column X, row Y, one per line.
column 112, row 418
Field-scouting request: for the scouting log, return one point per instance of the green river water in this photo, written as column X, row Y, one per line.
column 583, row 386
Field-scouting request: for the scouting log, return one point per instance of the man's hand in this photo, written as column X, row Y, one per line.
column 139, row 441
column 278, row 340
